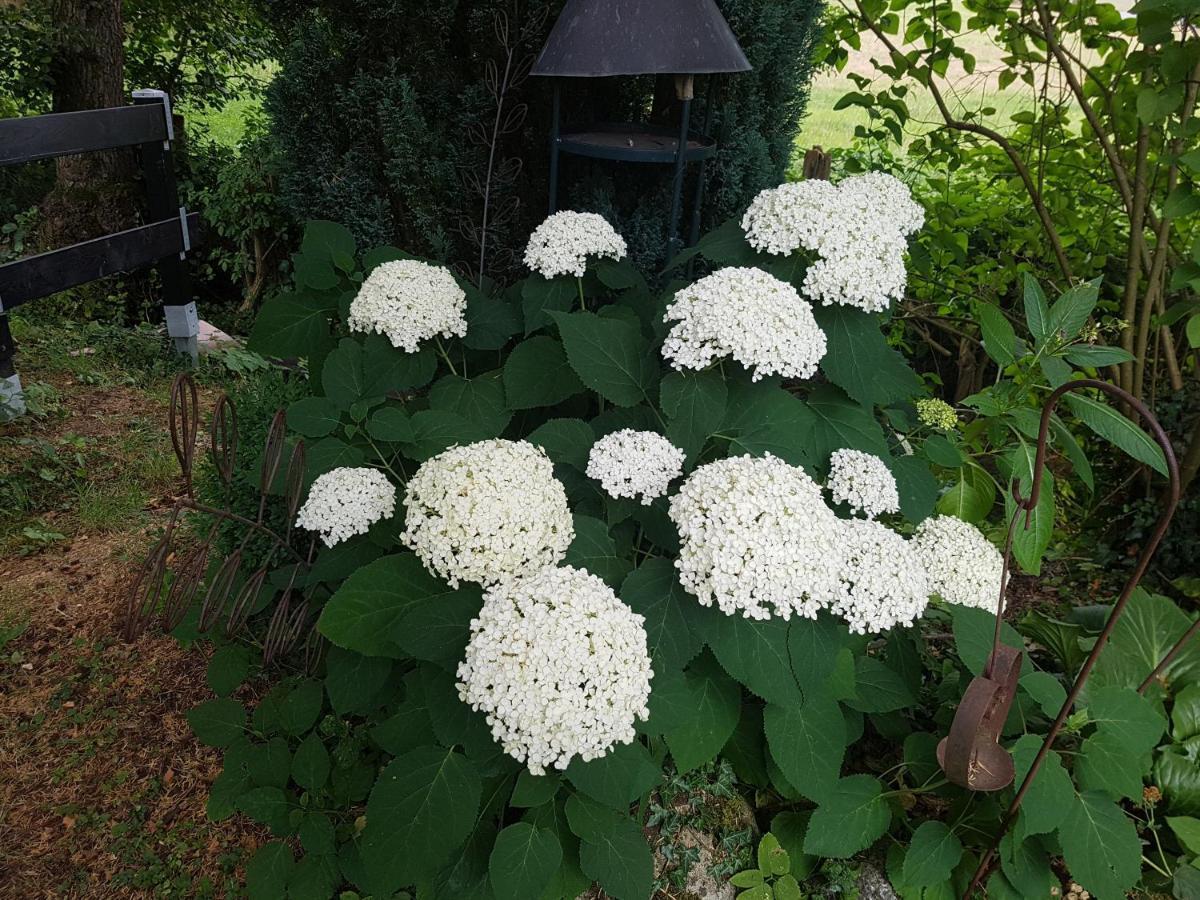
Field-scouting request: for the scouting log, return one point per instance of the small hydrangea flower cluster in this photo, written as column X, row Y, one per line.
column 863, row 482
column 630, row 463
column 409, row 301
column 560, row 667
column 963, row 566
column 748, row 314
column 756, row 538
column 937, row 414
column 345, row 502
column 562, row 244
column 857, row 230
column 487, row 512
column 886, row 584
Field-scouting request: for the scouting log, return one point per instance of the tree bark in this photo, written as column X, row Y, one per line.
column 93, row 194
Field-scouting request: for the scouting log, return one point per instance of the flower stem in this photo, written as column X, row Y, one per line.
column 582, row 301
column 442, row 352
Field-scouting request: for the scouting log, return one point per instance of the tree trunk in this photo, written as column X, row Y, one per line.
column 93, row 193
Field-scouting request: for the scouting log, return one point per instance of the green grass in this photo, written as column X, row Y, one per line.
column 227, row 124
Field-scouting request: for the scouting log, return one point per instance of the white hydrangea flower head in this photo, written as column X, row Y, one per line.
column 559, row 666
column 748, row 314
column 346, row 501
column 409, row 301
column 863, row 482
column 563, row 242
column 856, row 229
column 963, row 566
column 487, row 512
column 757, row 538
column 634, row 464
column 886, row 584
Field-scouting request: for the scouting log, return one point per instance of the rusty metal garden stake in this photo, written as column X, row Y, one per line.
column 227, row 601
column 968, row 744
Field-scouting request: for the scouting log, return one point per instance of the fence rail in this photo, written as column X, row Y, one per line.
column 164, row 242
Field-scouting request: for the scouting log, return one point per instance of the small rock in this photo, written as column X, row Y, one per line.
column 873, row 884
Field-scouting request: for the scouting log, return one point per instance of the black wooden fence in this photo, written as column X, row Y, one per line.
column 164, row 242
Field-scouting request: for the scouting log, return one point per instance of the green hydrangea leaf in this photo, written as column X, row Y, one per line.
column 933, row 852
column 610, row 356
column 851, row 817
column 1100, row 845
column 653, row 591
column 713, row 711
column 537, row 373
column 424, row 802
column 619, row 777
column 808, row 743
column 523, row 861
column 217, row 723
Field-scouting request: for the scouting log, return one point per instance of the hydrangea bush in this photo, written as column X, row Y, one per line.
column 643, row 529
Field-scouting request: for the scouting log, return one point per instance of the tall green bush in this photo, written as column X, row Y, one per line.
column 375, row 100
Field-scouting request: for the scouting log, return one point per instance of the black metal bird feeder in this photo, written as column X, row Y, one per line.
column 605, row 38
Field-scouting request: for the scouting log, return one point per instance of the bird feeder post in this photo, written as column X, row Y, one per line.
column 608, row 38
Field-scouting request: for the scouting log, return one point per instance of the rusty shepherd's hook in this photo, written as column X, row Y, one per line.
column 983, row 716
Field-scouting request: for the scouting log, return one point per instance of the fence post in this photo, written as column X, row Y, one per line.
column 162, row 196
column 12, row 400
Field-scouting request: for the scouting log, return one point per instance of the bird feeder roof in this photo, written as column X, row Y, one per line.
column 594, row 38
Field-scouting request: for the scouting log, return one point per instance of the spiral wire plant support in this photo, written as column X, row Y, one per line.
column 170, row 578
column 971, row 755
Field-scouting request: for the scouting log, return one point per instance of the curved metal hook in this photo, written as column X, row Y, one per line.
column 184, row 422
column 1148, row 551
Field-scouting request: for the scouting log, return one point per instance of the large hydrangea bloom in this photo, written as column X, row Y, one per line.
column 748, row 314
column 963, row 566
column 560, row 667
column 409, row 301
column 345, row 502
column 563, row 242
column 886, row 584
column 856, row 229
column 757, row 538
column 487, row 512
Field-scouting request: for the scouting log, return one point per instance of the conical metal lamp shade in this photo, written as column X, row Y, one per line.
column 594, row 38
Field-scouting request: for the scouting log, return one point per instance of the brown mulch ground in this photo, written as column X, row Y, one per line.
column 102, row 786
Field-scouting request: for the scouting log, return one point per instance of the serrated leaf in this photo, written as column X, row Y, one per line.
column 917, row 487
column 291, row 325
column 653, row 591
column 808, row 743
column 610, row 356
column 424, row 802
column 1106, row 764
column 859, row 360
column 541, row 296
column 534, row 790
column 715, row 705
column 612, row 850
column 755, row 653
column 390, row 424
column 228, row 668
column 438, row 631
column 1100, row 845
column 879, row 687
column 310, row 764
column 389, row 370
column 838, row 422
column 313, row 417
column 523, row 861
column 813, row 646
column 268, row 871
column 353, row 680
column 217, row 723
column 567, row 441
column 1050, row 793
column 763, row 418
column 1127, row 716
column 852, row 816
column 536, row 373
column 594, row 549
column 933, row 852
column 974, row 630
column 342, row 376
column 478, row 400
column 618, row 778
column 363, row 613
column 694, row 403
